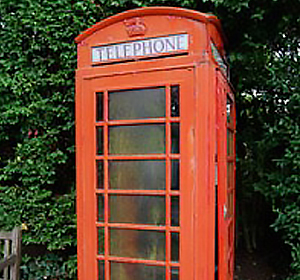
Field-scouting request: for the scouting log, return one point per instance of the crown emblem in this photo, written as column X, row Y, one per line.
column 135, row 26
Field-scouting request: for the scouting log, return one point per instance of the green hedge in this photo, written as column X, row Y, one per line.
column 37, row 64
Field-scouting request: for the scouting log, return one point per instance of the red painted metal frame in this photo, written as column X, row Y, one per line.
column 202, row 107
column 226, row 220
column 148, row 11
column 181, row 78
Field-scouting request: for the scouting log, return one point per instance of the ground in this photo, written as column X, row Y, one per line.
column 257, row 266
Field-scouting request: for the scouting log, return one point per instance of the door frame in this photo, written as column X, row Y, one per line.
column 87, row 85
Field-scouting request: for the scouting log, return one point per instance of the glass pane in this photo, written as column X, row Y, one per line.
column 230, row 198
column 99, row 106
column 137, row 209
column 101, row 274
column 175, row 101
column 174, row 246
column 101, row 241
column 140, row 244
column 174, row 273
column 175, row 135
column 137, row 139
column 175, row 183
column 231, row 230
column 175, row 211
column 230, row 147
column 100, row 208
column 230, row 175
column 228, row 110
column 100, row 175
column 137, row 174
column 134, row 271
column 137, row 104
column 99, row 140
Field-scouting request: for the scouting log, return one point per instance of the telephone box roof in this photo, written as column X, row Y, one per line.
column 170, row 11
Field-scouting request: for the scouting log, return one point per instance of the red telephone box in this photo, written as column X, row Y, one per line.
column 155, row 138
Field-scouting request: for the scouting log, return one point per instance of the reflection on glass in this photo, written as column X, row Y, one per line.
column 228, row 110
column 137, row 104
column 230, row 203
column 99, row 140
column 100, row 208
column 174, row 246
column 137, row 139
column 137, row 209
column 134, row 271
column 230, row 175
column 174, row 273
column 175, row 135
column 99, row 106
column 175, row 183
column 140, row 244
column 101, row 274
column 175, row 112
column 230, row 147
column 101, row 241
column 100, row 174
column 175, row 214
column 137, row 174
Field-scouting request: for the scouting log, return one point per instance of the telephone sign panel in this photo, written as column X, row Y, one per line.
column 149, row 47
column 155, row 135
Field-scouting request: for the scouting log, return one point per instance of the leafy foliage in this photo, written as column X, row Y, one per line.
column 37, row 63
column 38, row 59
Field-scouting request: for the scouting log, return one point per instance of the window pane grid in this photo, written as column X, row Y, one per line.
column 168, row 155
column 230, row 179
column 105, row 149
column 168, row 182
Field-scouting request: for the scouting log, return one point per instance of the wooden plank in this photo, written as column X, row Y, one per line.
column 6, row 256
column 16, row 247
column 12, row 254
column 6, row 235
column 8, row 261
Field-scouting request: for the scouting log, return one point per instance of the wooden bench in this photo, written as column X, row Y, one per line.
column 10, row 250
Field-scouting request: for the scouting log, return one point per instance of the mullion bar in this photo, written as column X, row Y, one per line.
column 168, row 183
column 137, row 226
column 139, row 261
column 136, row 192
column 136, row 121
column 138, row 157
column 106, row 206
column 230, row 158
column 231, row 189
